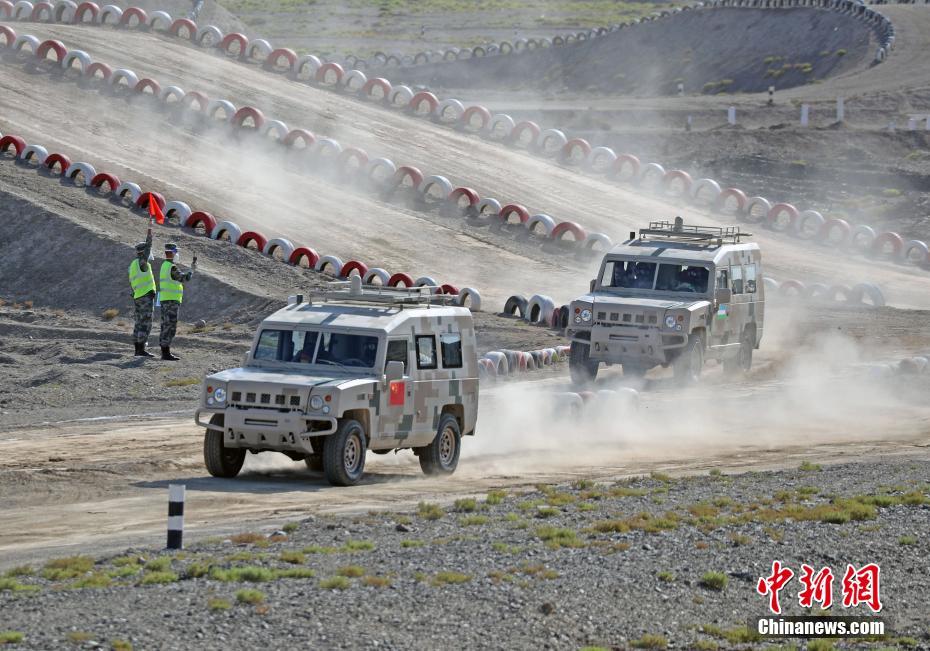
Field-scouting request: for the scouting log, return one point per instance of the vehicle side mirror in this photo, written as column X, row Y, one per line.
column 393, row 371
column 723, row 295
column 592, row 284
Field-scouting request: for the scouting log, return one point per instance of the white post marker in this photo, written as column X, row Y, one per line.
column 840, row 109
column 771, row 94
column 681, row 89
column 175, row 516
column 912, row 124
column 731, row 115
column 805, row 114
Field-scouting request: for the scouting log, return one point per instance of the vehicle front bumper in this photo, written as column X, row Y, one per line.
column 264, row 429
column 616, row 344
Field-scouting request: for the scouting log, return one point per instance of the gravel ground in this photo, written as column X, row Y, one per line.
column 559, row 567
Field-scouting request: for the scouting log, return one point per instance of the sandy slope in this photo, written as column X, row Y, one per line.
column 211, row 176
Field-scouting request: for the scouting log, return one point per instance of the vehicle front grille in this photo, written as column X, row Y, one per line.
column 264, row 400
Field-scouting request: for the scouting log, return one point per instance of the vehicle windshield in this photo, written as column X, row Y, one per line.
column 663, row 277
column 317, row 347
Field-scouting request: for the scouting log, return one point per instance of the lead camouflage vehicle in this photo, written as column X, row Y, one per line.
column 675, row 295
column 351, row 370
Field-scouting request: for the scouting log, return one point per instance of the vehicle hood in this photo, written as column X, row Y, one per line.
column 284, row 377
column 607, row 301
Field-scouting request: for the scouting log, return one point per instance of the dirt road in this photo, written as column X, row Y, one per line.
column 101, row 484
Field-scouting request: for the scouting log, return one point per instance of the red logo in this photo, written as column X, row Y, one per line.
column 773, row 584
column 861, row 587
column 817, row 588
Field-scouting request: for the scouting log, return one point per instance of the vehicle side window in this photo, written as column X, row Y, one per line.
column 426, row 351
column 736, row 278
column 397, row 352
column 451, row 346
column 750, row 278
column 723, row 279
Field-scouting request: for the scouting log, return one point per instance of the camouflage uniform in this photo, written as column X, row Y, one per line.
column 143, row 306
column 169, row 322
column 144, row 311
column 170, row 308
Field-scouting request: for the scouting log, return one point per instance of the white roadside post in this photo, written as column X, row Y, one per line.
column 175, row 516
column 805, row 114
column 912, row 124
column 771, row 95
column 840, row 109
column 681, row 89
column 731, row 115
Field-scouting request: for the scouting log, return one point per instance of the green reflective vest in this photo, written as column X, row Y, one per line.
column 142, row 282
column 170, row 289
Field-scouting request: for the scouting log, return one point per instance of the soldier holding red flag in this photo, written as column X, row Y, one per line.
column 142, row 282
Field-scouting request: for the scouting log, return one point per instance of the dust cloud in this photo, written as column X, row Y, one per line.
column 819, row 394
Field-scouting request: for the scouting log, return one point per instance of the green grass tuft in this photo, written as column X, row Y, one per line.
column 429, row 511
column 249, row 596
column 335, row 583
column 153, row 578
column 218, row 604
column 714, row 580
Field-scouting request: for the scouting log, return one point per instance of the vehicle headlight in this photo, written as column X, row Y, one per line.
column 669, row 321
column 578, row 319
column 586, row 315
column 316, row 402
column 219, row 395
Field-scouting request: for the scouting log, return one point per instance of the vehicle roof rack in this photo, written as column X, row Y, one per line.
column 678, row 231
column 353, row 291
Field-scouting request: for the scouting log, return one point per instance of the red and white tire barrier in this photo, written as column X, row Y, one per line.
column 853, row 295
column 503, row 364
column 551, row 142
column 213, row 228
column 676, row 183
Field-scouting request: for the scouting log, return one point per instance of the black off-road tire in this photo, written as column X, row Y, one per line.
column 221, row 461
column 582, row 369
column 743, row 360
column 344, row 453
column 441, row 457
column 690, row 362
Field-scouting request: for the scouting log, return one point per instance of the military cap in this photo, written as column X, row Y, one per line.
column 171, row 247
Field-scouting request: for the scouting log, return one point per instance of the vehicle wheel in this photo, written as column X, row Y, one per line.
column 582, row 369
column 220, row 460
column 314, row 462
column 634, row 371
column 441, row 457
column 743, row 360
column 690, row 362
column 344, row 454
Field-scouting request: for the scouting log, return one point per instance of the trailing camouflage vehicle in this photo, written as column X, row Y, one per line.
column 351, row 370
column 675, row 295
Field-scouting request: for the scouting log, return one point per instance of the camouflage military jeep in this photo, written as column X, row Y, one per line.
column 674, row 295
column 354, row 369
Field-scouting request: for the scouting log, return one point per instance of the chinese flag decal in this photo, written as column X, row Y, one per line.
column 397, row 393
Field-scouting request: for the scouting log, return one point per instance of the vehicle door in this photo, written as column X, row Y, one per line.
column 719, row 316
column 395, row 408
column 425, row 393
